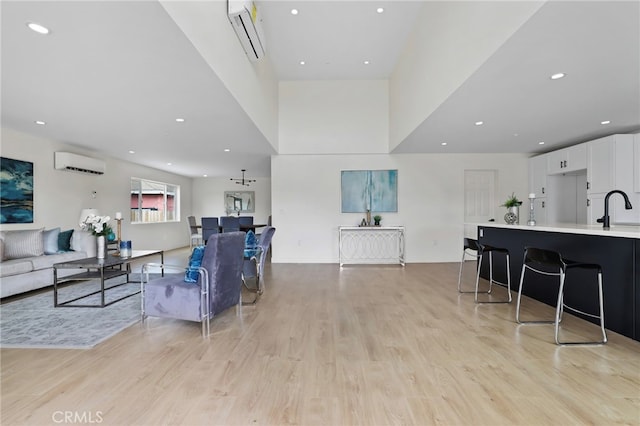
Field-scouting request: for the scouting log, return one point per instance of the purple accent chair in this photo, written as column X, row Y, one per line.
column 254, row 265
column 218, row 287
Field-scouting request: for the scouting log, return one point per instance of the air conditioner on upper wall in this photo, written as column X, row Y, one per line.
column 246, row 21
column 78, row 163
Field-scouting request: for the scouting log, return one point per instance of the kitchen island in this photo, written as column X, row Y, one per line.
column 617, row 250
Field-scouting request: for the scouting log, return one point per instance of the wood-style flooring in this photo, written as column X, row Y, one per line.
column 362, row 345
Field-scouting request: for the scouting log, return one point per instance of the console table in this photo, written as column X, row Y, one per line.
column 371, row 244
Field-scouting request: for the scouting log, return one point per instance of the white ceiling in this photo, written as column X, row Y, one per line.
column 113, row 76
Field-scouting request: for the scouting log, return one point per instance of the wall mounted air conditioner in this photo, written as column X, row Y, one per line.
column 78, row 163
column 246, row 21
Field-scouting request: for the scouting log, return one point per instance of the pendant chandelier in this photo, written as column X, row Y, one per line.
column 243, row 181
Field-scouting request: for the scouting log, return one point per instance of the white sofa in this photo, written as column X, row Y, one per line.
column 24, row 266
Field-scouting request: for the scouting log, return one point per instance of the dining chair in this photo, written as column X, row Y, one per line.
column 209, row 227
column 245, row 220
column 194, row 234
column 229, row 224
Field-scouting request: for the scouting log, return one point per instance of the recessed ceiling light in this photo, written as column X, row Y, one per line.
column 605, row 122
column 540, row 143
column 302, row 62
column 39, row 122
column 515, row 134
column 366, row 62
column 180, row 120
column 557, row 76
column 479, row 123
column 227, row 150
column 294, row 11
column 380, row 10
column 38, row 28
column 204, row 175
column 443, row 143
column 132, row 151
column 169, row 164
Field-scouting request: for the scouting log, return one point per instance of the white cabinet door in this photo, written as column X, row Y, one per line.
column 538, row 175
column 567, row 160
column 576, row 157
column 600, row 165
column 595, row 208
column 540, row 212
column 556, row 161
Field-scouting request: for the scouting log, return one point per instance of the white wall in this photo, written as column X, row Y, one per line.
column 306, row 200
column 330, row 117
column 59, row 195
column 208, row 198
column 449, row 42
column 253, row 84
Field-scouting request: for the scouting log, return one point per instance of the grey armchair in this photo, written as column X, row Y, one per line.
column 218, row 288
column 253, row 267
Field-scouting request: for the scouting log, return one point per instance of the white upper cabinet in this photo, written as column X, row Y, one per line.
column 612, row 164
column 567, row 160
column 538, row 175
column 600, row 167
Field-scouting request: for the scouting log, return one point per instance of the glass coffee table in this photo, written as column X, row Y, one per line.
column 98, row 269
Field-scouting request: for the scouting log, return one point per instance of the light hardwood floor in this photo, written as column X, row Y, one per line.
column 365, row 345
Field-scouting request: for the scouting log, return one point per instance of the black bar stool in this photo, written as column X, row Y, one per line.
column 548, row 262
column 481, row 249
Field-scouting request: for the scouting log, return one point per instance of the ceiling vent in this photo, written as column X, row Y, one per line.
column 78, row 163
column 247, row 24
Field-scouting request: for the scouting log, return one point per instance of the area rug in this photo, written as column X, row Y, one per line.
column 33, row 322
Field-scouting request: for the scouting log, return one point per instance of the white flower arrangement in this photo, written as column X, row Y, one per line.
column 97, row 225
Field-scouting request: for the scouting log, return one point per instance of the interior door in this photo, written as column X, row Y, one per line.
column 479, row 198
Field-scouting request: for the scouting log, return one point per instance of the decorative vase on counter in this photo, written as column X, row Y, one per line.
column 101, row 251
column 513, row 215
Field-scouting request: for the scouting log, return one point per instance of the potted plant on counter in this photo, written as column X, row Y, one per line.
column 376, row 220
column 513, row 210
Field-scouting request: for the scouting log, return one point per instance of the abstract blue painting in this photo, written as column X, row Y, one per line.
column 373, row 190
column 16, row 191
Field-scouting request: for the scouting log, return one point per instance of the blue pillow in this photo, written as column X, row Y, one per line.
column 50, row 239
column 64, row 240
column 250, row 244
column 195, row 260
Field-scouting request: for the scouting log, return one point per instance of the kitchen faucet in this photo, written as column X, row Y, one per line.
column 605, row 219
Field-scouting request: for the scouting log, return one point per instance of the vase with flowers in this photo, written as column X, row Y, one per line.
column 98, row 226
column 513, row 210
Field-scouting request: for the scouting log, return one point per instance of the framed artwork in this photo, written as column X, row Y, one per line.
column 16, row 191
column 373, row 190
column 239, row 201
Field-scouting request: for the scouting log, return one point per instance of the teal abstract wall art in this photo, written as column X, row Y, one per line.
column 16, row 191
column 373, row 190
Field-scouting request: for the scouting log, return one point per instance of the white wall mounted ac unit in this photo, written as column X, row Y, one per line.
column 78, row 163
column 246, row 21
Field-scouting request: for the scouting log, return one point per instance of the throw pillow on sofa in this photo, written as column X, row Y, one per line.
column 64, row 240
column 20, row 244
column 50, row 240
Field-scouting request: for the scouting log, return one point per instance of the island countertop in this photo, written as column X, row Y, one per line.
column 616, row 250
column 622, row 231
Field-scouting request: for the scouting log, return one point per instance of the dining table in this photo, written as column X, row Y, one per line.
column 245, row 228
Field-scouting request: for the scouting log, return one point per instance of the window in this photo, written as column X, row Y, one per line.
column 153, row 202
